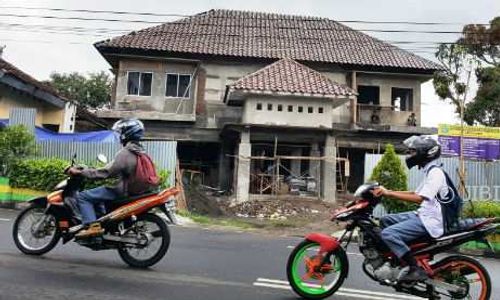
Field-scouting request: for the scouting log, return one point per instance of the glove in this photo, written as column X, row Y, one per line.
column 73, row 171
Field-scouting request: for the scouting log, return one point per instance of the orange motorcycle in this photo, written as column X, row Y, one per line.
column 132, row 226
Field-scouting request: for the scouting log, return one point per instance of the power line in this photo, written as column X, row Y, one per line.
column 79, row 18
column 185, row 15
column 100, row 30
column 98, row 11
column 231, row 25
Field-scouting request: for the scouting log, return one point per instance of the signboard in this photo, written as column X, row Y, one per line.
column 481, row 143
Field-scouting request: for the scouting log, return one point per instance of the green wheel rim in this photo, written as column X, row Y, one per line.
column 308, row 287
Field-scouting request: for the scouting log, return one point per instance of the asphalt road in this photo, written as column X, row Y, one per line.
column 201, row 264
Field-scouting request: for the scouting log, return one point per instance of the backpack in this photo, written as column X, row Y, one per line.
column 451, row 205
column 145, row 172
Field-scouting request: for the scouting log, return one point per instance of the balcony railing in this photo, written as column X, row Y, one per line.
column 384, row 115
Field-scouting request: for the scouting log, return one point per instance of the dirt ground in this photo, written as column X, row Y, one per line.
column 291, row 216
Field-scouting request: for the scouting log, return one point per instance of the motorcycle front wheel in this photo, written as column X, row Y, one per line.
column 152, row 231
column 313, row 277
column 34, row 232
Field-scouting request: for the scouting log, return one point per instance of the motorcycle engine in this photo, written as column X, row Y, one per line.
column 374, row 264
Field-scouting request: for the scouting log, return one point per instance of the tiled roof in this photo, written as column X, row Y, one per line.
column 265, row 35
column 290, row 77
column 10, row 69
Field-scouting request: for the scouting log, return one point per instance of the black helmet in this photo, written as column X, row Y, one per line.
column 421, row 150
column 129, row 130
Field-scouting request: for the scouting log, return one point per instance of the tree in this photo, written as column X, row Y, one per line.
column 92, row 91
column 482, row 42
column 16, row 143
column 390, row 173
column 479, row 47
column 449, row 82
column 485, row 108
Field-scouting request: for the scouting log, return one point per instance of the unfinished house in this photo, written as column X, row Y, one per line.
column 265, row 104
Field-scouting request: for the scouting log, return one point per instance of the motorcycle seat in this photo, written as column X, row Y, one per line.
column 125, row 200
column 463, row 225
column 466, row 224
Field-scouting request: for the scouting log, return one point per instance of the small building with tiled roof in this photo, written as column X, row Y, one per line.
column 292, row 89
column 20, row 90
column 233, row 85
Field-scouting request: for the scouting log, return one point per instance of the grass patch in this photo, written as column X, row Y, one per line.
column 245, row 223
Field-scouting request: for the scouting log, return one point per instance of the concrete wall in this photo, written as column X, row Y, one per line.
column 386, row 83
column 69, row 118
column 157, row 102
column 220, row 75
column 46, row 113
column 285, row 118
column 217, row 75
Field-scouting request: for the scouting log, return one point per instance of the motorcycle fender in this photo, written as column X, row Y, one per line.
column 327, row 243
column 41, row 201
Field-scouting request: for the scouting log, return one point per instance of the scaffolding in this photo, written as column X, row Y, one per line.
column 279, row 179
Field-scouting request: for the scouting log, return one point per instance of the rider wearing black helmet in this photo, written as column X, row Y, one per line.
column 400, row 229
column 122, row 167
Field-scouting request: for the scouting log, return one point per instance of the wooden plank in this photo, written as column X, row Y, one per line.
column 181, row 197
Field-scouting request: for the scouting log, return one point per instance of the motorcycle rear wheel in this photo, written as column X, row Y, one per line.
column 161, row 234
column 312, row 286
column 466, row 272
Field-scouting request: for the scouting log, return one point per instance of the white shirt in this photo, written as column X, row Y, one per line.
column 430, row 209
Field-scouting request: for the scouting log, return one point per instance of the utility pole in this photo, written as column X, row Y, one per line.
column 461, row 172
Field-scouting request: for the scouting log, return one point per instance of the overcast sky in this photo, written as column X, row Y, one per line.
column 39, row 52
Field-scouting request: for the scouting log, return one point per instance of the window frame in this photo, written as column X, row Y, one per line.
column 139, row 86
column 178, row 84
column 409, row 106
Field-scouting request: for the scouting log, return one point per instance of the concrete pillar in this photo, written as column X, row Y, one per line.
column 329, row 170
column 295, row 163
column 315, row 165
column 243, row 179
column 224, row 167
column 354, row 101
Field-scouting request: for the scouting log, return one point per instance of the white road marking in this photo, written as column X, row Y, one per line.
column 360, row 294
column 5, row 220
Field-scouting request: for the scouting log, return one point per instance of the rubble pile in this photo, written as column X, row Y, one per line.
column 276, row 209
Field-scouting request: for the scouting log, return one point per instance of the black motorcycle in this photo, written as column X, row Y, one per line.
column 318, row 266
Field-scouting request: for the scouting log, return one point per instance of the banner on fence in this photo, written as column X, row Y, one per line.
column 482, row 143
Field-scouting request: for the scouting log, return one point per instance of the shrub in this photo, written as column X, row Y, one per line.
column 164, row 176
column 482, row 209
column 390, row 173
column 37, row 174
column 45, row 174
column 16, row 143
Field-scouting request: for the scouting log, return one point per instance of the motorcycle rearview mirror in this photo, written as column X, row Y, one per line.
column 73, row 159
column 102, row 158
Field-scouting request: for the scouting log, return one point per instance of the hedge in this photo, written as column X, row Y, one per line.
column 45, row 174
